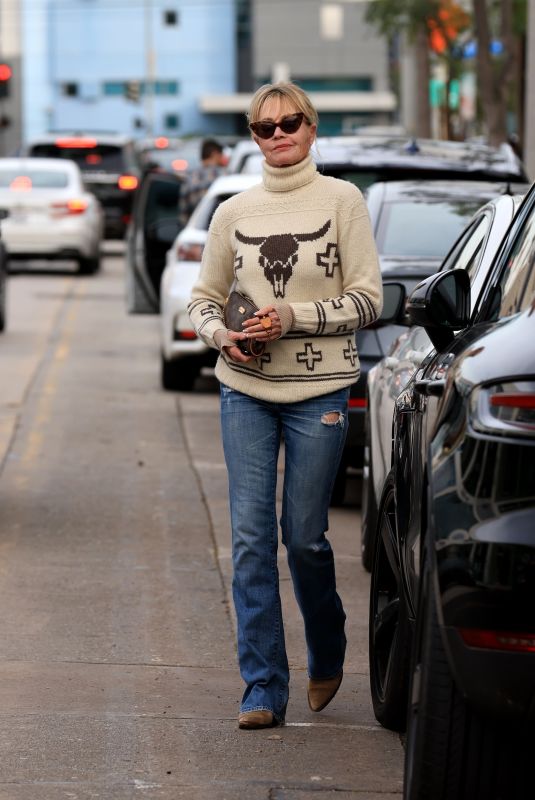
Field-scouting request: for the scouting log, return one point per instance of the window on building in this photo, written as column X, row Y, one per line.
column 331, row 21
column 69, row 89
column 171, row 122
column 171, row 17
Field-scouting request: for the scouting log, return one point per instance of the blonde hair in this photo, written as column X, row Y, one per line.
column 285, row 90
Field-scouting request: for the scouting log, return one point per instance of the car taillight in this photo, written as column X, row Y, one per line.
column 22, row 183
column 73, row 206
column 128, row 182
column 357, row 402
column 498, row 640
column 505, row 408
column 189, row 252
column 76, row 143
column 179, row 164
column 161, row 142
column 187, row 334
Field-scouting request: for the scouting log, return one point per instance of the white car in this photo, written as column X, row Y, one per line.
column 183, row 353
column 51, row 214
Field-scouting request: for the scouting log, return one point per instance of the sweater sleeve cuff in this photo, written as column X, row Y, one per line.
column 222, row 339
column 286, row 316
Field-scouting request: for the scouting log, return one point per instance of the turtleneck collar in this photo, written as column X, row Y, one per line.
column 284, row 179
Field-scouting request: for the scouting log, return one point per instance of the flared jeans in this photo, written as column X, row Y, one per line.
column 314, row 433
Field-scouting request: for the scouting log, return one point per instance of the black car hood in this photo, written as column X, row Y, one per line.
column 495, row 355
column 400, row 267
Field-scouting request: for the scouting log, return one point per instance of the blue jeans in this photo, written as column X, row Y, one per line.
column 252, row 431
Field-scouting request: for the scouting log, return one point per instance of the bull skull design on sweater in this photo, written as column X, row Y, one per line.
column 278, row 254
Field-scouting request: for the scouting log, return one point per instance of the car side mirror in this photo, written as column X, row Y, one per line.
column 4, row 213
column 393, row 304
column 441, row 305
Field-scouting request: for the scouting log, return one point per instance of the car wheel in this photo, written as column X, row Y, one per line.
column 389, row 627
column 453, row 753
column 2, row 302
column 178, row 374
column 369, row 504
column 88, row 266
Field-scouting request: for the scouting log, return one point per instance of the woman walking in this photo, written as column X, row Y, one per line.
column 300, row 246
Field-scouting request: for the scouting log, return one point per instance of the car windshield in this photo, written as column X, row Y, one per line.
column 423, row 228
column 90, row 158
column 202, row 216
column 33, row 179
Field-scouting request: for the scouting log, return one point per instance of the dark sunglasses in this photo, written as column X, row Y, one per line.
column 288, row 124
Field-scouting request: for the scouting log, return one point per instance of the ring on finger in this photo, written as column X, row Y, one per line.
column 266, row 322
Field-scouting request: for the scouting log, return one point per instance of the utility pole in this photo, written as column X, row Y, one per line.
column 529, row 101
column 149, row 70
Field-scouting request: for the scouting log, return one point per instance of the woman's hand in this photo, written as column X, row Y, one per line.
column 234, row 352
column 264, row 326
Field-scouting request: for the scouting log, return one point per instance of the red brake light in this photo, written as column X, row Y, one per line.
column 129, row 182
column 179, row 164
column 358, row 402
column 506, row 408
column 187, row 251
column 22, row 183
column 76, row 142
column 161, row 142
column 185, row 335
column 5, row 72
column 73, row 206
column 498, row 640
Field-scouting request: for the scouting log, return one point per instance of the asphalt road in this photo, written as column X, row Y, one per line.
column 118, row 675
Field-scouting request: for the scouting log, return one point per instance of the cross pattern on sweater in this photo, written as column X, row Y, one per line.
column 265, row 358
column 310, row 356
column 329, row 259
column 350, row 352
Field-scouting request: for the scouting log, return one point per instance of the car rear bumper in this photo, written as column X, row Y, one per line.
column 49, row 239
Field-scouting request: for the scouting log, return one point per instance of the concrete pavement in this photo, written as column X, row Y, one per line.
column 118, row 675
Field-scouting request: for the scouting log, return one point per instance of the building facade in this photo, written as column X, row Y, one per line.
column 132, row 66
column 328, row 48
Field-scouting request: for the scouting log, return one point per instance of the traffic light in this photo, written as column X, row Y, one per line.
column 5, row 80
column 132, row 91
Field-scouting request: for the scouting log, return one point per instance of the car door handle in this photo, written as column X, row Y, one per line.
column 430, row 388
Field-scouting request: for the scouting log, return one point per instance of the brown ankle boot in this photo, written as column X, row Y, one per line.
column 320, row 693
column 251, row 720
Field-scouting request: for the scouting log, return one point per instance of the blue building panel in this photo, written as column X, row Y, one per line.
column 93, row 48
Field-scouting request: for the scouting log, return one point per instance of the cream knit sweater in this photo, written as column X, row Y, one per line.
column 303, row 239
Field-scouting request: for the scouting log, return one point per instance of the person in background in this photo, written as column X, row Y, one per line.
column 300, row 245
column 213, row 163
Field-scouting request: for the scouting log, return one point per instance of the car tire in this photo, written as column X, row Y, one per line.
column 389, row 626
column 368, row 505
column 88, row 266
column 178, row 374
column 453, row 753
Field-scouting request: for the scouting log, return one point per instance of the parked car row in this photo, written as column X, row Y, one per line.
column 452, row 638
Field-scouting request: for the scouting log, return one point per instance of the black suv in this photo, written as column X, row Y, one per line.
column 109, row 166
column 452, row 630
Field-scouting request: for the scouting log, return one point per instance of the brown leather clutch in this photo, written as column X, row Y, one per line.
column 237, row 309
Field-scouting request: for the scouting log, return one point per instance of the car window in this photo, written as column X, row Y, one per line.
column 202, row 216
column 514, row 290
column 467, row 253
column 93, row 158
column 424, row 228
column 33, row 179
column 162, row 201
